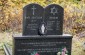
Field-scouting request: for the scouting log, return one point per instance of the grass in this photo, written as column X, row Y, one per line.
column 77, row 43
column 77, row 46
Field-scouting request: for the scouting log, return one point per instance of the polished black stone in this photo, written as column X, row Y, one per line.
column 35, row 41
column 54, row 19
column 32, row 19
column 42, row 45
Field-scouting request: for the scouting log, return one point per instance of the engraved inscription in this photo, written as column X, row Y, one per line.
column 50, row 24
column 33, row 25
column 57, row 25
column 33, row 17
column 43, row 44
column 55, row 46
column 40, row 50
column 53, row 17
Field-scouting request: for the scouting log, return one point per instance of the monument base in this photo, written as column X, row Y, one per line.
column 42, row 45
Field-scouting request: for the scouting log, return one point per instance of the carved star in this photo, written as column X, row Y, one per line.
column 54, row 10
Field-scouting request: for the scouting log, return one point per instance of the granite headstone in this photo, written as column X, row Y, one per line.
column 54, row 19
column 32, row 19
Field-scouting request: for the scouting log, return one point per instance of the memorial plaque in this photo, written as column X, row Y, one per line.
column 44, row 45
column 32, row 19
column 54, row 19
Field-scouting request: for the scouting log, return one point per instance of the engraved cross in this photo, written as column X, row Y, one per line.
column 33, row 8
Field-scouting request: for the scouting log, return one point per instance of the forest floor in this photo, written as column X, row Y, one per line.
column 77, row 43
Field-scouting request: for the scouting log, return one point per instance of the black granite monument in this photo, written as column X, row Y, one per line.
column 42, row 32
column 32, row 19
column 54, row 19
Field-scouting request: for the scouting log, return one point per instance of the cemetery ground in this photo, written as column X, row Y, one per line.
column 77, row 43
